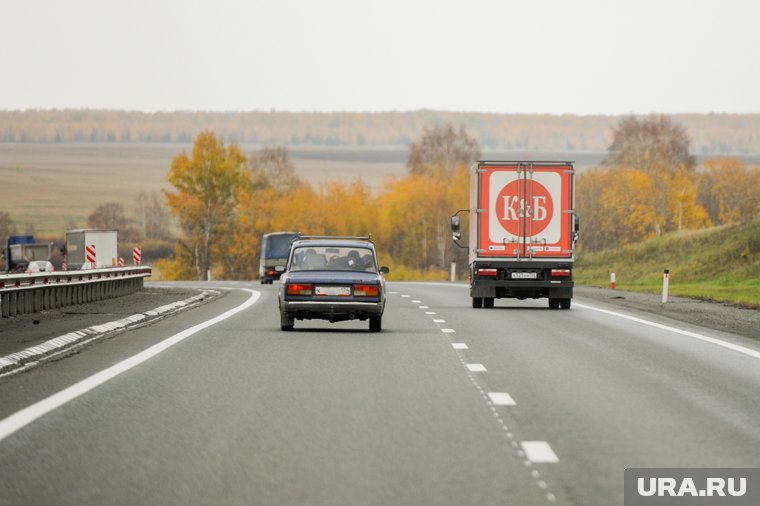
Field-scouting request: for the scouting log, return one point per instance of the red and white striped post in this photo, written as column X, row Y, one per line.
column 612, row 280
column 65, row 264
column 665, row 281
column 136, row 255
column 121, row 262
column 90, row 256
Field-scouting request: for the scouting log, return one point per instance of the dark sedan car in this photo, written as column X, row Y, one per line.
column 334, row 279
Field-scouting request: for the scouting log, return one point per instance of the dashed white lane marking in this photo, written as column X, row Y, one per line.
column 439, row 321
column 448, row 331
column 501, row 399
column 22, row 418
column 429, row 312
column 392, row 293
column 735, row 347
column 405, row 296
column 476, row 368
column 459, row 346
column 539, row 451
column 416, row 301
column 424, row 307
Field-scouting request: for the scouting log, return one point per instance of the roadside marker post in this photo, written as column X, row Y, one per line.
column 612, row 280
column 665, row 280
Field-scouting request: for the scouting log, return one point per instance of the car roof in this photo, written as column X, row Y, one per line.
column 344, row 243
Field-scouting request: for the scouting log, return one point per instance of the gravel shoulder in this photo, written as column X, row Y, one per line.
column 719, row 316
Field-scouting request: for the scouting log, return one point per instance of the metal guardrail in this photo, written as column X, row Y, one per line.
column 29, row 293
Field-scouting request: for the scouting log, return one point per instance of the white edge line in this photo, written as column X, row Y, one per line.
column 707, row 339
column 24, row 417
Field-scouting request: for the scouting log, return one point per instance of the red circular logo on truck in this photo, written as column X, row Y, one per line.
column 535, row 203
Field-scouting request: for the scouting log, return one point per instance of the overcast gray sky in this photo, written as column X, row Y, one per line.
column 507, row 56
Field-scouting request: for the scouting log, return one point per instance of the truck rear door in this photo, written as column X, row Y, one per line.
column 525, row 209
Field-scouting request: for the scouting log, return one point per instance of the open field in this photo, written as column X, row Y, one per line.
column 52, row 185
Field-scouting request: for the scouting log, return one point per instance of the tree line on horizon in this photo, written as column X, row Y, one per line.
column 711, row 134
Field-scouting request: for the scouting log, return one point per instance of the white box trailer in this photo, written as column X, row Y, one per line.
column 103, row 241
column 522, row 231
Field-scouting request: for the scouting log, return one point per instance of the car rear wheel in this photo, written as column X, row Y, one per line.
column 286, row 322
column 553, row 303
column 488, row 302
column 564, row 303
column 375, row 323
column 477, row 302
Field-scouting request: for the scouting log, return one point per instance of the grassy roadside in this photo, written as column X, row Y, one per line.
column 721, row 264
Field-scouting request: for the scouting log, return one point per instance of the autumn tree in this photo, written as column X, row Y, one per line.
column 730, row 191
column 441, row 150
column 205, row 196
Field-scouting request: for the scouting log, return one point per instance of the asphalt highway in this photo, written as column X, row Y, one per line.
column 448, row 405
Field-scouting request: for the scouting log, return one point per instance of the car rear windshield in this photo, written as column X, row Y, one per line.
column 331, row 258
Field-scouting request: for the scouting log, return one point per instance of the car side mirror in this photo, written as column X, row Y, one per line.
column 384, row 270
column 455, row 226
column 576, row 227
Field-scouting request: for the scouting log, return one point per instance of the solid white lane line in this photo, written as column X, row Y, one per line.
column 22, row 418
column 735, row 347
column 448, row 331
column 501, row 399
column 459, row 346
column 476, row 367
column 539, row 451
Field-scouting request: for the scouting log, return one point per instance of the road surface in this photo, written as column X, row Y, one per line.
column 449, row 405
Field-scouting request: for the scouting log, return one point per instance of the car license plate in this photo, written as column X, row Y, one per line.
column 279, row 268
column 332, row 291
column 524, row 275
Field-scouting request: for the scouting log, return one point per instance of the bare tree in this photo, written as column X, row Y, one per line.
column 108, row 216
column 273, row 165
column 654, row 144
column 441, row 149
column 152, row 215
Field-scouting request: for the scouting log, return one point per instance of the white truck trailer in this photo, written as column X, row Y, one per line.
column 102, row 242
column 522, row 231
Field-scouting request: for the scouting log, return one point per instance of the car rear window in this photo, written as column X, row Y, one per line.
column 333, row 258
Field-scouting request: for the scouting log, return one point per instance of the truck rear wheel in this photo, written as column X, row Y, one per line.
column 564, row 303
column 553, row 303
column 477, row 302
column 488, row 302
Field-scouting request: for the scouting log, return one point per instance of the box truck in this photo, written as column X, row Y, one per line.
column 103, row 243
column 522, row 231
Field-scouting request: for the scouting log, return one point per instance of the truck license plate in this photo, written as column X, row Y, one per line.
column 524, row 275
column 332, row 291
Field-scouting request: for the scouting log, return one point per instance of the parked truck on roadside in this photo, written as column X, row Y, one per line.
column 102, row 243
column 522, row 231
column 21, row 250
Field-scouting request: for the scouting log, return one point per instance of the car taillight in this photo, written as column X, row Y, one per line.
column 271, row 273
column 299, row 289
column 487, row 272
column 366, row 291
column 560, row 273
